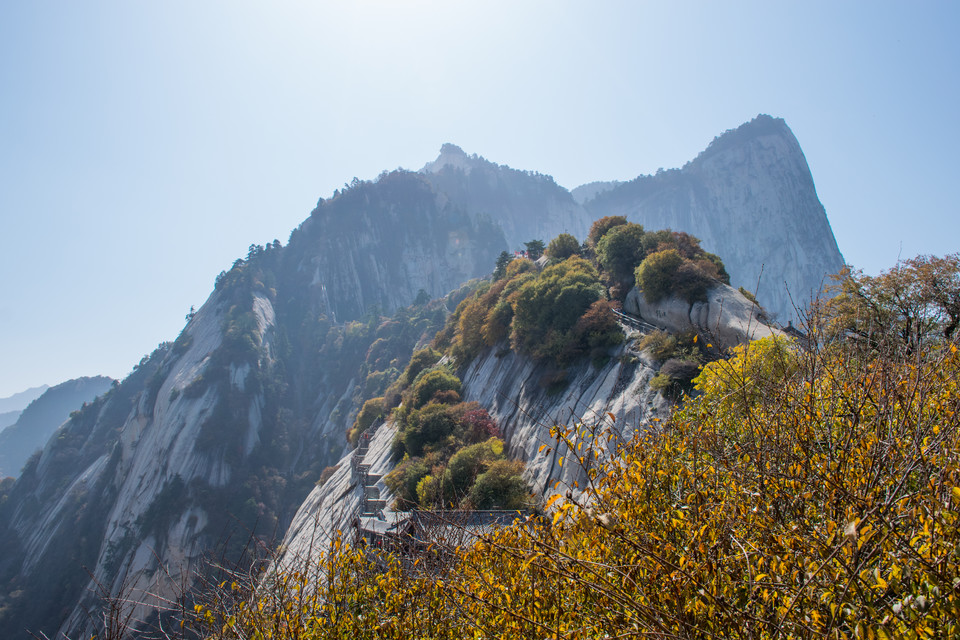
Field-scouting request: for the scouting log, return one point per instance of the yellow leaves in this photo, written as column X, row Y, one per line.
column 880, row 582
column 742, row 499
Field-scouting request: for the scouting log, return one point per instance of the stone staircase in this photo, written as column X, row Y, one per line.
column 371, row 504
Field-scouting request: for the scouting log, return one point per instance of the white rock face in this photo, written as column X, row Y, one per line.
column 159, row 445
column 156, row 449
column 509, row 387
column 751, row 200
column 330, row 509
column 727, row 317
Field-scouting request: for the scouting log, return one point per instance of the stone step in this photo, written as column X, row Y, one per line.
column 373, row 506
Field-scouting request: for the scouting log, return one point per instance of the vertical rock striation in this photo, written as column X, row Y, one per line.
column 749, row 198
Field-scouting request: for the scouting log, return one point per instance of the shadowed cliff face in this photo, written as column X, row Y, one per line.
column 526, row 205
column 749, row 198
column 377, row 244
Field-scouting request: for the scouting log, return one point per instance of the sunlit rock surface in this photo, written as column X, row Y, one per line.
column 727, row 318
column 750, row 199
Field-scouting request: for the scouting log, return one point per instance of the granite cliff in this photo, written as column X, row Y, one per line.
column 749, row 198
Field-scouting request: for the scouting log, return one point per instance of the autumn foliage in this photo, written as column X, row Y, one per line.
column 809, row 491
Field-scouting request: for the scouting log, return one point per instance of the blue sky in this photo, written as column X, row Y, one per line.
column 146, row 145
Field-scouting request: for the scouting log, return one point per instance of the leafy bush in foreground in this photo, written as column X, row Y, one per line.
column 804, row 494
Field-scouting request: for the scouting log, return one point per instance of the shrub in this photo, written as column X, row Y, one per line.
column 562, row 247
column 428, row 491
column 520, row 265
column 326, row 474
column 428, row 428
column 500, row 487
column 656, row 274
column 377, row 382
column 182, row 344
column 371, row 410
column 597, row 328
column 467, row 464
column 659, row 344
column 430, row 383
column 547, row 308
column 676, row 376
column 477, row 424
column 496, row 326
column 446, row 397
column 693, row 279
column 420, row 361
column 619, row 252
column 404, row 478
column 600, row 227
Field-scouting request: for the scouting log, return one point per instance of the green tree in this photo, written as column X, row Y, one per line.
column 534, row 249
column 504, row 259
column 600, row 228
column 429, row 428
column 562, row 247
column 619, row 252
column 666, row 273
column 430, row 383
column 547, row 308
column 371, row 410
column 501, row 486
column 467, row 464
column 655, row 275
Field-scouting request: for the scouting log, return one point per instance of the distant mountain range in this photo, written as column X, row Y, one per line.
column 19, row 401
column 37, row 422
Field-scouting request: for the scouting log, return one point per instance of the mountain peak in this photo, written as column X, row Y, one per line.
column 761, row 126
column 451, row 156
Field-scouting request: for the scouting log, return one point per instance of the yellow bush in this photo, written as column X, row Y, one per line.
column 804, row 494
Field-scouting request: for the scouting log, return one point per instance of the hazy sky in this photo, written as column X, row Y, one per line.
column 145, row 145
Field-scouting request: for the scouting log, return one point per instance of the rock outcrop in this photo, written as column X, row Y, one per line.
column 750, row 199
column 727, row 317
column 377, row 244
